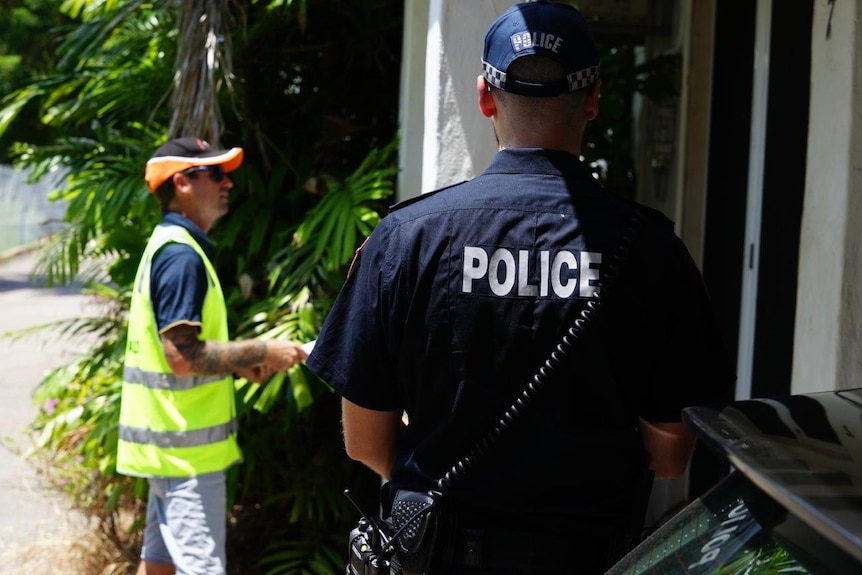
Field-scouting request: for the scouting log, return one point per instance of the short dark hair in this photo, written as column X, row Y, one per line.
column 165, row 193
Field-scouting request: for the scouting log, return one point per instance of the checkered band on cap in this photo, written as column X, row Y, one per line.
column 582, row 78
column 576, row 80
column 495, row 77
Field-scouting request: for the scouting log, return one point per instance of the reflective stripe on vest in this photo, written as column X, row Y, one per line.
column 173, row 426
column 194, row 438
column 155, row 380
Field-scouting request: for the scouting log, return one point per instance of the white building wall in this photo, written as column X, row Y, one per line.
column 459, row 141
column 828, row 333
column 412, row 98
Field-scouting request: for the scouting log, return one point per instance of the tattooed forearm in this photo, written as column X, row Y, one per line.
column 236, row 353
column 186, row 353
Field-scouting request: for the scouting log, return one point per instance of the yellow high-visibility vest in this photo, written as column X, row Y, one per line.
column 173, row 426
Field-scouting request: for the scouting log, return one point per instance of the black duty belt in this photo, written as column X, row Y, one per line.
column 531, row 552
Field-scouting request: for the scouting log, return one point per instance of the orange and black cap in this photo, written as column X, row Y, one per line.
column 183, row 153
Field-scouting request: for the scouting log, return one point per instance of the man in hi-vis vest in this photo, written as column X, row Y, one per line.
column 178, row 417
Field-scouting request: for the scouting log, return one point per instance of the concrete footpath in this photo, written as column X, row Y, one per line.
column 35, row 522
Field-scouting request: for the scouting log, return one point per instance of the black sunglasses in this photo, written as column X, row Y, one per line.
column 216, row 172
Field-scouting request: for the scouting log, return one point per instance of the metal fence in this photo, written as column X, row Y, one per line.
column 26, row 213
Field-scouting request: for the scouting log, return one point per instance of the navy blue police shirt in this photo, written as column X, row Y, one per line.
column 178, row 278
column 461, row 294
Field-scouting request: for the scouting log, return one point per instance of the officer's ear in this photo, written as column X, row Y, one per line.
column 487, row 103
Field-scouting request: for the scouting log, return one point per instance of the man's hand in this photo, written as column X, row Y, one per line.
column 282, row 355
column 669, row 446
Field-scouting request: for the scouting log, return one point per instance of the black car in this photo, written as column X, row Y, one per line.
column 791, row 504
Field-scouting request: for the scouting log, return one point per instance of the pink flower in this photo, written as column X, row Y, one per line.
column 50, row 405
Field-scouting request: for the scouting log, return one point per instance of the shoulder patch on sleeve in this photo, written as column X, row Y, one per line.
column 356, row 256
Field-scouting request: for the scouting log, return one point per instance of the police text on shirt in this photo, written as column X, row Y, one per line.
column 506, row 272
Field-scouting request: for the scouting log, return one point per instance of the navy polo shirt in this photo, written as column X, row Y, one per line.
column 459, row 296
column 178, row 278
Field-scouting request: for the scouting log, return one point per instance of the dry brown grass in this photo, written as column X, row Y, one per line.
column 80, row 552
column 70, row 544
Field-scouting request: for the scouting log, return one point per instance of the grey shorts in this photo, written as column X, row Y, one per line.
column 186, row 519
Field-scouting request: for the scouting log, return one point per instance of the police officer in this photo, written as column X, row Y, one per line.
column 460, row 295
column 177, row 416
